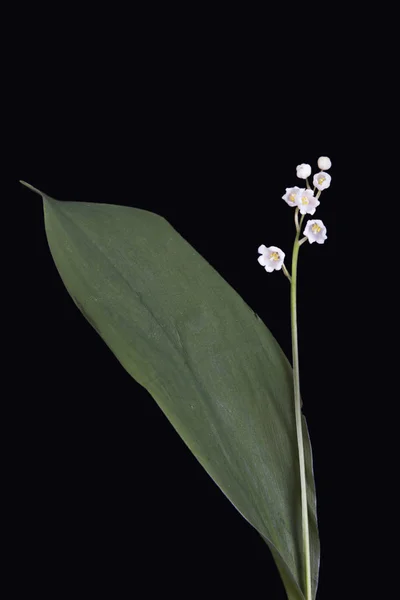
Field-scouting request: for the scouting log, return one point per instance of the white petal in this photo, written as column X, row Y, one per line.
column 269, row 269
column 307, row 227
column 262, row 249
column 262, row 260
column 276, row 249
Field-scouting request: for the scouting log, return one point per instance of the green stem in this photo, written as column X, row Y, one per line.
column 299, row 428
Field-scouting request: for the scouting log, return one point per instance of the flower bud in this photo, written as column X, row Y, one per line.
column 324, row 163
column 303, row 171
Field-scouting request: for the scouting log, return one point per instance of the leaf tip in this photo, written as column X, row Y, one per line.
column 30, row 187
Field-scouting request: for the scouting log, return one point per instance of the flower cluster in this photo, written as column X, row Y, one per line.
column 305, row 203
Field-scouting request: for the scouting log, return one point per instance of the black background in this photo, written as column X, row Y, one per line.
column 106, row 498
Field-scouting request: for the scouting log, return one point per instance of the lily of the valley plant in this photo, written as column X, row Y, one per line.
column 205, row 357
column 305, row 203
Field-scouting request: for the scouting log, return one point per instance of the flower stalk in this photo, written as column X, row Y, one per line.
column 296, row 220
column 299, row 427
column 286, row 272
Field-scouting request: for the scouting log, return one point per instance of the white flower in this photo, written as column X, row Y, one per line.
column 303, row 171
column 315, row 231
column 307, row 202
column 322, row 180
column 324, row 163
column 291, row 195
column 271, row 258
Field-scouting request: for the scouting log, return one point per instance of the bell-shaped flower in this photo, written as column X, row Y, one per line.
column 291, row 195
column 322, row 180
column 303, row 171
column 307, row 202
column 271, row 258
column 324, row 163
column 315, row 231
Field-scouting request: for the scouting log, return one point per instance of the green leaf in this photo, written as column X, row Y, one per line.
column 206, row 358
